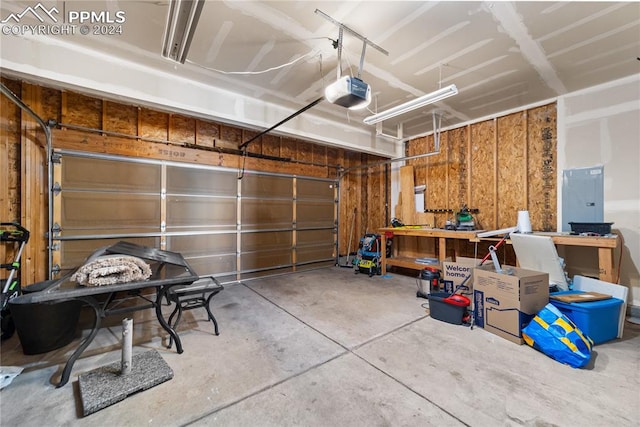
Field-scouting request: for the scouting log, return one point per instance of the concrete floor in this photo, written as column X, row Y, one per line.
column 332, row 348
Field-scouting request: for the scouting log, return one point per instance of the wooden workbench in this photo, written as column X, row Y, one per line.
column 405, row 255
column 606, row 248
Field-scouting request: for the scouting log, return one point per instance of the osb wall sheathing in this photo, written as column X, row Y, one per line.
column 542, row 167
column 143, row 132
column 497, row 166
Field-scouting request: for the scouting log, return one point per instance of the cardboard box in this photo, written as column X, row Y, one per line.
column 506, row 303
column 455, row 273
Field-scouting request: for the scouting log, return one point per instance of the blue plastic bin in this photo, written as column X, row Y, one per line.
column 596, row 319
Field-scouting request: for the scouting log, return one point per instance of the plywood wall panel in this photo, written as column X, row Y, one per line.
column 421, row 146
column 512, row 168
column 376, row 191
column 304, row 152
column 483, row 196
column 436, row 196
column 81, row 110
column 288, row 148
column 230, row 137
column 153, row 124
column 334, row 157
column 254, row 146
column 271, row 145
column 120, row 118
column 51, row 104
column 207, row 133
column 319, row 154
column 542, row 168
column 457, row 148
column 182, row 130
column 352, row 200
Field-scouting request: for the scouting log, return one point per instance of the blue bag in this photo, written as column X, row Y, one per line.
column 555, row 335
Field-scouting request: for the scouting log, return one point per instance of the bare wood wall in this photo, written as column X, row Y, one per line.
column 498, row 166
column 131, row 130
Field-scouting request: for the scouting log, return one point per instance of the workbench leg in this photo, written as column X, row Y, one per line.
column 605, row 264
column 442, row 248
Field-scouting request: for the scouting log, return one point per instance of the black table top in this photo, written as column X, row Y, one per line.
column 168, row 268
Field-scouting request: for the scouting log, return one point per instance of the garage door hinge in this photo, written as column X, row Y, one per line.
column 56, row 229
column 57, row 188
column 55, row 269
column 56, row 158
column 55, row 247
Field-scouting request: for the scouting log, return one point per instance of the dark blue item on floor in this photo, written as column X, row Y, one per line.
column 596, row 319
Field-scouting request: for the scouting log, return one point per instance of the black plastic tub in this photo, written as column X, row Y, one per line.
column 44, row 327
column 601, row 228
column 441, row 310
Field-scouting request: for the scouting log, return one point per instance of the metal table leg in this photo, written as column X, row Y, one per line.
column 210, row 314
column 161, row 294
column 66, row 372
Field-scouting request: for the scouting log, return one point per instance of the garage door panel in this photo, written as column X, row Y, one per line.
column 268, row 241
column 201, row 245
column 88, row 212
column 313, row 245
column 185, row 180
column 112, row 175
column 267, row 186
column 314, row 253
column 213, row 265
column 200, row 212
column 315, row 189
column 263, row 214
column 314, row 214
column 265, row 260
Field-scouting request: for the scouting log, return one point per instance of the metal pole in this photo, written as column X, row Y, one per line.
column 302, row 110
column 352, row 32
column 127, row 344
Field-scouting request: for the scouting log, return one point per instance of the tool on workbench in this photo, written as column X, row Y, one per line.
column 463, row 220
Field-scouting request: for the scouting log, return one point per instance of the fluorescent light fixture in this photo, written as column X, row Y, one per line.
column 427, row 99
column 181, row 25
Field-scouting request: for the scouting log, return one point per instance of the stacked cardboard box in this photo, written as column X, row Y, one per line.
column 506, row 302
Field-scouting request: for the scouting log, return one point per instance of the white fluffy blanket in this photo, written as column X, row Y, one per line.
column 112, row 269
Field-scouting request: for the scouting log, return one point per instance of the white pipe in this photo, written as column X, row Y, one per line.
column 127, row 344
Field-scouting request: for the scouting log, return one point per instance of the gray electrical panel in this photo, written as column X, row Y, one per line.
column 582, row 196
